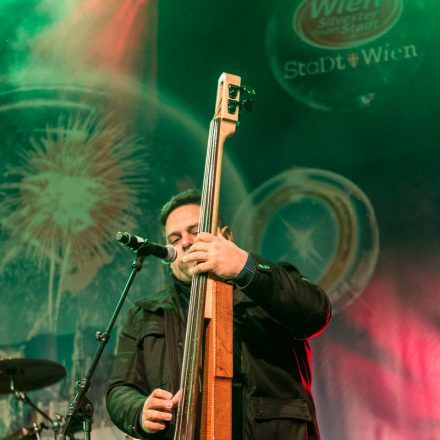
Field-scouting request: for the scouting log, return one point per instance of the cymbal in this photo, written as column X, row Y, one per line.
column 29, row 374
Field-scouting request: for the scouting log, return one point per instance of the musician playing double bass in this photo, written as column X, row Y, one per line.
column 276, row 310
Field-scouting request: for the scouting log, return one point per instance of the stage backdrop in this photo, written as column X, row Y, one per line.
column 104, row 113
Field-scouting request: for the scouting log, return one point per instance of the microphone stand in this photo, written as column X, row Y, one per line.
column 81, row 405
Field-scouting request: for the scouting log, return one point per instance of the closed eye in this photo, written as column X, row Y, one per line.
column 173, row 240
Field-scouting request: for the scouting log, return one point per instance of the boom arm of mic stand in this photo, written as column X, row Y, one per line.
column 81, row 404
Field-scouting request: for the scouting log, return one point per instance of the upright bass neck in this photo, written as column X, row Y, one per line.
column 223, row 125
column 209, row 322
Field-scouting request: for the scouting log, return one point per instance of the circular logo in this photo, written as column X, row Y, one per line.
column 319, row 221
column 345, row 54
column 334, row 24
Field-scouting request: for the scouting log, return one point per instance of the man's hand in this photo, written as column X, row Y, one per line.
column 216, row 254
column 158, row 409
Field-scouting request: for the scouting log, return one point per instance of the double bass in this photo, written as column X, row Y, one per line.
column 207, row 367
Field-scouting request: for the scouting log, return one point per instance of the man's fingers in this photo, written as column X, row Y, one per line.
column 200, row 246
column 201, row 268
column 195, row 256
column 161, row 394
column 204, row 236
column 157, row 410
column 160, row 404
column 153, row 426
column 151, row 415
column 176, row 398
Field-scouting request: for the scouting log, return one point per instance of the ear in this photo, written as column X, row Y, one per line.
column 227, row 233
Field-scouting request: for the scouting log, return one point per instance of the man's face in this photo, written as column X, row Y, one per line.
column 181, row 231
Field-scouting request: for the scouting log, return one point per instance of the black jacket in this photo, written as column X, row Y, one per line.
column 274, row 315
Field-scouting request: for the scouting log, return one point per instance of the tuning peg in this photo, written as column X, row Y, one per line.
column 247, row 104
column 233, row 91
column 248, row 90
column 246, row 97
column 232, row 106
column 245, row 100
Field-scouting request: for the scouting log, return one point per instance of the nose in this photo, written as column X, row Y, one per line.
column 187, row 241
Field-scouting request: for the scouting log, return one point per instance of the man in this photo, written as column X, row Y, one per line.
column 276, row 310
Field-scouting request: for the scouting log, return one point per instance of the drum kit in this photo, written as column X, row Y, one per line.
column 17, row 376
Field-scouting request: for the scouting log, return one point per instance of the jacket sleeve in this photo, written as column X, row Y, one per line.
column 289, row 297
column 128, row 387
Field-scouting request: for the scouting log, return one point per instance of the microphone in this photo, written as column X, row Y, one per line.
column 146, row 247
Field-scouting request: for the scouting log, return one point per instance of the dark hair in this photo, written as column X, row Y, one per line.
column 190, row 196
